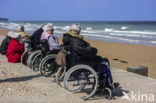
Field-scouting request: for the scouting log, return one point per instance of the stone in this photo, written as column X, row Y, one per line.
column 141, row 70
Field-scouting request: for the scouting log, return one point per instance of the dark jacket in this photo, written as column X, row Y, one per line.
column 4, row 45
column 78, row 46
column 35, row 39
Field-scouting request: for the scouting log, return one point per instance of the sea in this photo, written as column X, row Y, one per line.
column 127, row 32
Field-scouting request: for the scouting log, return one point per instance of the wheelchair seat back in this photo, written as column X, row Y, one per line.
column 97, row 63
column 73, row 60
column 44, row 46
column 27, row 42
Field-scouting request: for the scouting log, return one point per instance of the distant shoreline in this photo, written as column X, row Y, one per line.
column 116, row 21
column 4, row 19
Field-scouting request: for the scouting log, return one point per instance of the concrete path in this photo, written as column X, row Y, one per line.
column 19, row 84
column 31, row 86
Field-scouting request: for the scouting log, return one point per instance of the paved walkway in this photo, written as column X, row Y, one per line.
column 19, row 84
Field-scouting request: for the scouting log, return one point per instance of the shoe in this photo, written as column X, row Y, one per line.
column 116, row 85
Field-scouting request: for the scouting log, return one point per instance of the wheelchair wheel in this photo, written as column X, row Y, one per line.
column 48, row 66
column 60, row 75
column 32, row 55
column 36, row 62
column 107, row 93
column 81, row 80
column 25, row 56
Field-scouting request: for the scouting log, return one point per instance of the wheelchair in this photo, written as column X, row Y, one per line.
column 27, row 50
column 31, row 57
column 45, row 60
column 38, row 57
column 29, row 53
column 63, row 69
column 85, row 77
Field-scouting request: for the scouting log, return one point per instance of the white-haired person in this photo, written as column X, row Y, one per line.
column 73, row 41
column 24, row 36
column 15, row 49
column 49, row 35
column 78, row 47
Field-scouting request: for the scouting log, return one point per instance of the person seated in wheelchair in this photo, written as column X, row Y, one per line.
column 85, row 54
column 24, row 36
column 15, row 49
column 36, row 36
column 49, row 40
column 74, row 42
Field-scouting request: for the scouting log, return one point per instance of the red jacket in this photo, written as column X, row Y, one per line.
column 14, row 51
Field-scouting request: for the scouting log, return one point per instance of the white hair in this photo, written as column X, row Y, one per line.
column 43, row 25
column 10, row 33
column 20, row 28
column 47, row 27
column 15, row 35
column 75, row 28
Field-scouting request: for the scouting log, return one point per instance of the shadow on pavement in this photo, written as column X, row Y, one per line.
column 18, row 79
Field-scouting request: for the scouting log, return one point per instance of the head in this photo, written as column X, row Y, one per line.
column 16, row 36
column 46, row 26
column 75, row 28
column 21, row 28
column 49, row 29
column 10, row 33
column 42, row 26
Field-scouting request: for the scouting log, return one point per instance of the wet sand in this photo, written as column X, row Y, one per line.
column 124, row 55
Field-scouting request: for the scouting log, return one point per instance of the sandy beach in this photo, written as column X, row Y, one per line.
column 124, row 55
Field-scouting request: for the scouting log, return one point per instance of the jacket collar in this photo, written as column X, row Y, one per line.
column 75, row 35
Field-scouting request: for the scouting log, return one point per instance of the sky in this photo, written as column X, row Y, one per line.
column 71, row 10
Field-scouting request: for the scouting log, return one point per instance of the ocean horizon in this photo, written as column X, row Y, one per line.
column 129, row 32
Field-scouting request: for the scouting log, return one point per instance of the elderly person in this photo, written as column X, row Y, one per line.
column 35, row 38
column 23, row 34
column 15, row 49
column 73, row 41
column 50, row 37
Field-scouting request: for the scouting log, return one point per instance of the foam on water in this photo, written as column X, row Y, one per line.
column 88, row 28
column 153, row 42
column 124, row 27
column 111, row 37
column 58, row 27
column 108, row 30
column 89, row 31
column 127, row 33
column 66, row 27
column 131, row 35
column 132, row 32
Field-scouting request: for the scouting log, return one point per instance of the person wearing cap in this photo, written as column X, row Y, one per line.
column 23, row 34
column 74, row 42
column 15, row 49
column 49, row 35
